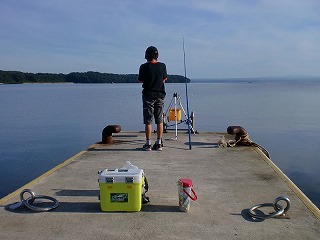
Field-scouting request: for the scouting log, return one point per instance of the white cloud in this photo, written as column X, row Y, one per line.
column 223, row 38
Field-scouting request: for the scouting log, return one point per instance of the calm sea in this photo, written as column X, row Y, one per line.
column 42, row 125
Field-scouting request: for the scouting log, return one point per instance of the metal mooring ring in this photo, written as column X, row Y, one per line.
column 41, row 209
column 276, row 206
column 280, row 210
column 30, row 199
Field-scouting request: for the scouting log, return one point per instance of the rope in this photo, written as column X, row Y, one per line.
column 243, row 140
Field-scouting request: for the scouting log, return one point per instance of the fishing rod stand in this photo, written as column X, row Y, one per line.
column 174, row 110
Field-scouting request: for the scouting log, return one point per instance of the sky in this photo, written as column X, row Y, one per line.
column 222, row 38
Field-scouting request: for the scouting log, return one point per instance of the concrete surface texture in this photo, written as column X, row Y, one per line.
column 228, row 181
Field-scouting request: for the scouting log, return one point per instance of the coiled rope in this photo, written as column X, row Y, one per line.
column 244, row 140
column 241, row 139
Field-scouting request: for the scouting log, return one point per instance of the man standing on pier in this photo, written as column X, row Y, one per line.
column 153, row 75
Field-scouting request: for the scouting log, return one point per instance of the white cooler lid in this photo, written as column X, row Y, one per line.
column 121, row 175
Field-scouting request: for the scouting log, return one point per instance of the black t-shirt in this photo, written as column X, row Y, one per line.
column 153, row 75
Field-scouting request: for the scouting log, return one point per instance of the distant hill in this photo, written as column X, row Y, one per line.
column 16, row 77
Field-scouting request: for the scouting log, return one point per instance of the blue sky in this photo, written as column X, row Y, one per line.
column 230, row 38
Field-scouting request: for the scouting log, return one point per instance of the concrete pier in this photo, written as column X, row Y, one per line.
column 228, row 181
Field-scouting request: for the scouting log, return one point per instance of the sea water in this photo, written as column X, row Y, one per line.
column 42, row 125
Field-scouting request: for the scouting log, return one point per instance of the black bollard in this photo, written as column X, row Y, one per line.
column 107, row 133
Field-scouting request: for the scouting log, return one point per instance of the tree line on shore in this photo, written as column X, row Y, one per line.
column 16, row 77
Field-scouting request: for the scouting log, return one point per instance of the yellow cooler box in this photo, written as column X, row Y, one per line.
column 121, row 189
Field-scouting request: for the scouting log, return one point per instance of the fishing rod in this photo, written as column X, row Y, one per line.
column 185, row 78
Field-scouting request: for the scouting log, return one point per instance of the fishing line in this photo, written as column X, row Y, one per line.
column 186, row 84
